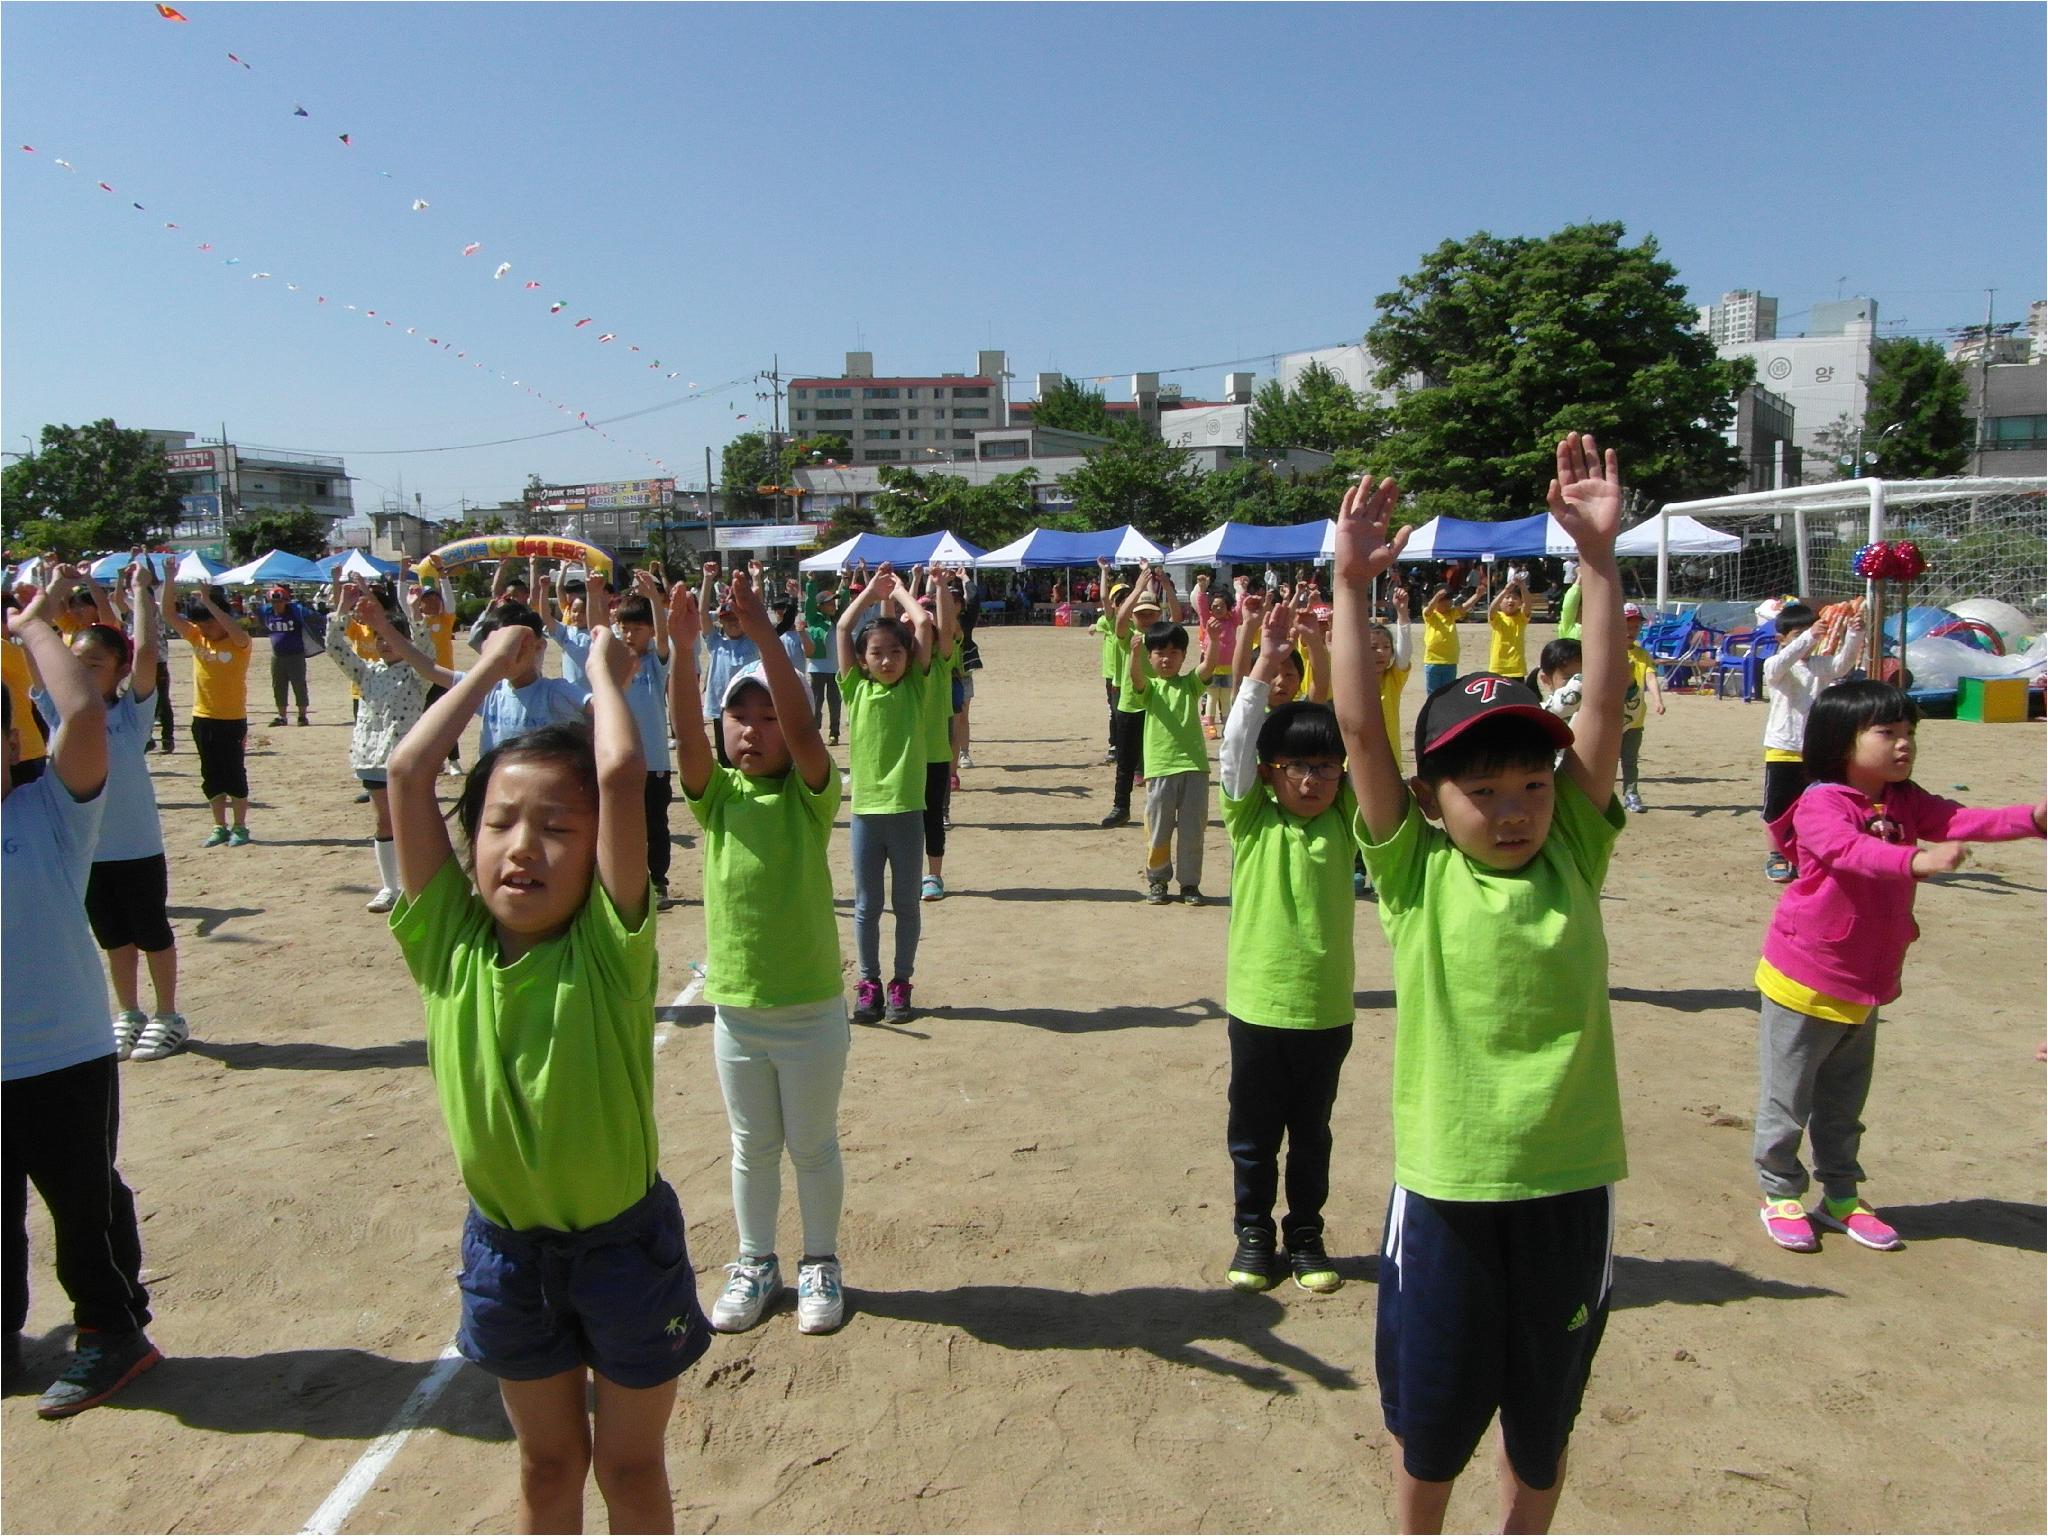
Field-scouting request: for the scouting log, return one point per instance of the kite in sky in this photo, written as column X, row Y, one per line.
column 503, row 268
column 169, row 14
column 472, row 248
column 300, row 112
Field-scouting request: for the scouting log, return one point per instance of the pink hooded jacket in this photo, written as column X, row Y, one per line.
column 1843, row 926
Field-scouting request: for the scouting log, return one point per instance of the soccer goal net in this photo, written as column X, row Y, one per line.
column 1982, row 538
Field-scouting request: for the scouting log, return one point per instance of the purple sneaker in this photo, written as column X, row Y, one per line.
column 867, row 1002
column 899, row 1002
column 1861, row 1223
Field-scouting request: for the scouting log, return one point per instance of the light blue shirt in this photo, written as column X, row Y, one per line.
column 725, row 655
column 575, row 644
column 793, row 648
column 53, row 997
column 129, row 828
column 647, row 698
column 545, row 701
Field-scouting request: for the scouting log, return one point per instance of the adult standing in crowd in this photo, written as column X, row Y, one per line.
column 290, row 624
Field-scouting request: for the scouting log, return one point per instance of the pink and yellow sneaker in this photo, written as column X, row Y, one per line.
column 1862, row 1224
column 1787, row 1223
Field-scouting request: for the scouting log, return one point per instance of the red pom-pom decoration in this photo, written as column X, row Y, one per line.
column 1900, row 561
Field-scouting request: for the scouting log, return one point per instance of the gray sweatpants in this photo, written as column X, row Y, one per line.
column 1816, row 1076
column 781, row 1070
column 1176, row 816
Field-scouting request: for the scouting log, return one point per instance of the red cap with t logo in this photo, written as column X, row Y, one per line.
column 1462, row 703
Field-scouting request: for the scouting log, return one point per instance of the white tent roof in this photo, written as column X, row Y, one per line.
column 1689, row 536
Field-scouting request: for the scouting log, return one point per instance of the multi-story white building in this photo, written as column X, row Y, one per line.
column 223, row 485
column 1821, row 376
column 1741, row 316
column 902, row 419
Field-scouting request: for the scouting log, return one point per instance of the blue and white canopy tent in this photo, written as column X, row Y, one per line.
column 1460, row 538
column 1054, row 548
column 356, row 563
column 1247, row 543
column 275, row 566
column 876, row 549
column 191, row 566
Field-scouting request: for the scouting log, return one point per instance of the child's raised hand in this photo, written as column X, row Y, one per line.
column 1401, row 601
column 748, row 608
column 509, row 647
column 611, row 656
column 368, row 611
column 351, row 595
column 1276, row 628
column 1585, row 498
column 1364, row 549
column 682, row 617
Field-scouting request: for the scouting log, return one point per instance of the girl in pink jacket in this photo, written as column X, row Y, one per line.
column 1837, row 943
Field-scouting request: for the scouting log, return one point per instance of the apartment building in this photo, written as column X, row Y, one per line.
column 902, row 419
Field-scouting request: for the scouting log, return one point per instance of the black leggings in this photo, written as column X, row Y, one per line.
column 223, row 769
column 938, row 803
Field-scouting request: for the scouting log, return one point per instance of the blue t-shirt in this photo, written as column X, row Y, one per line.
column 575, row 644
column 647, row 698
column 129, row 828
column 288, row 630
column 545, row 701
column 53, row 998
column 725, row 655
column 793, row 648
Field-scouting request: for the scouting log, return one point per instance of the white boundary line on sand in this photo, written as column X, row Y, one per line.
column 335, row 1510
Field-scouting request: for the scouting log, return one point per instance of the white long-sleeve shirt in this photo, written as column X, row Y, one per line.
column 1793, row 676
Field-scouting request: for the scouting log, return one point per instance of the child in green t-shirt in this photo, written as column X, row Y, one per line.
column 1176, row 758
column 538, row 982
column 884, row 677
column 1498, row 1256
column 942, row 602
column 1288, row 813
column 766, row 799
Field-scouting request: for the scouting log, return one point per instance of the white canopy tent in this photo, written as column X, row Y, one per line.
column 1688, row 536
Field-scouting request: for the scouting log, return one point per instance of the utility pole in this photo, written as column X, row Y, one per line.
column 1983, row 389
column 773, row 395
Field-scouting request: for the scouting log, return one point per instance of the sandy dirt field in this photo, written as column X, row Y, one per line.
column 1038, row 1198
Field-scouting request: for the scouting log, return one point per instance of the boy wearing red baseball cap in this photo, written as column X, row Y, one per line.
column 1497, row 1260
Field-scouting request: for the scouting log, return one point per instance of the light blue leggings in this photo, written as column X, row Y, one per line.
column 897, row 842
column 780, row 1070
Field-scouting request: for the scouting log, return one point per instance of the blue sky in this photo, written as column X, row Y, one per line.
column 1094, row 189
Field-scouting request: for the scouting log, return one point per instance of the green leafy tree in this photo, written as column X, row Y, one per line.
column 1074, row 407
column 99, row 486
column 812, row 452
column 744, row 467
column 1504, row 345
column 1321, row 411
column 1917, row 411
column 300, row 531
column 1139, row 480
column 988, row 515
column 1253, row 491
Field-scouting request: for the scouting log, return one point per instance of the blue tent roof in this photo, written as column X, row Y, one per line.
column 875, row 549
column 275, row 566
column 1460, row 538
column 1240, row 542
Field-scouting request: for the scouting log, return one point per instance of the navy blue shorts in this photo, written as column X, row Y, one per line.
column 1485, row 1307
column 619, row 1297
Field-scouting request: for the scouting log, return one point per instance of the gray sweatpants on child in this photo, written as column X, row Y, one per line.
column 1176, row 816
column 1816, row 1076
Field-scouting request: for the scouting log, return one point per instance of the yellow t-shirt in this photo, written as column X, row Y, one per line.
column 1504, row 653
column 441, row 626
column 1800, row 998
column 220, row 678
column 1440, row 636
column 1392, row 681
column 14, row 666
column 1635, row 705
column 363, row 641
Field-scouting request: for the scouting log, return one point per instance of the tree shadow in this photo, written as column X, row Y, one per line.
column 1166, row 1322
column 309, row 1056
column 1699, row 1283
column 211, row 918
column 321, row 1394
column 1063, row 791
column 309, row 842
column 1979, row 1219
column 1033, row 767
column 1088, row 1021
column 1687, row 999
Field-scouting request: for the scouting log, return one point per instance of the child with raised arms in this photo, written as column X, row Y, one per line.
column 939, row 772
column 1507, row 625
column 392, row 693
column 1440, row 617
column 127, row 894
column 726, row 650
column 1863, row 836
column 1288, row 812
column 766, row 798
column 1808, row 658
column 1495, row 1272
column 536, row 965
column 1176, row 761
column 430, row 611
column 1643, row 694
column 523, row 699
column 220, row 707
column 1138, row 607
column 60, row 1094
column 884, row 676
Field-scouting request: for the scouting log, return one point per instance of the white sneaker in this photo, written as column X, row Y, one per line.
column 751, row 1284
column 164, row 1035
column 820, row 1301
column 966, row 759
column 383, row 901
column 128, row 1025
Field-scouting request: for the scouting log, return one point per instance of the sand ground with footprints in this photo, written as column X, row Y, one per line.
column 1037, row 1224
